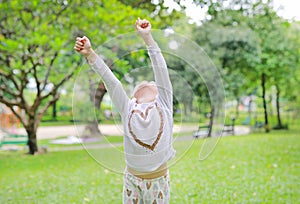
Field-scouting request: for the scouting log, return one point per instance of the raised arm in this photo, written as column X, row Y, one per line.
column 160, row 70
column 112, row 84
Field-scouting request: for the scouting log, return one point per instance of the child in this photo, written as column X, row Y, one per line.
column 147, row 120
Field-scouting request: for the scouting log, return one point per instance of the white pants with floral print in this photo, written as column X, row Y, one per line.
column 146, row 191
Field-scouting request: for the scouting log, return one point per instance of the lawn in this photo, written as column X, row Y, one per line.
column 257, row 168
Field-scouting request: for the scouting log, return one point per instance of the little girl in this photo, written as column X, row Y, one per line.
column 147, row 120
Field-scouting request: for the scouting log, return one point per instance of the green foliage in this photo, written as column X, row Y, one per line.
column 234, row 48
column 161, row 15
column 36, row 48
column 46, row 29
column 247, row 39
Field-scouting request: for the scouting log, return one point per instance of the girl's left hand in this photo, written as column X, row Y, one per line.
column 83, row 46
column 143, row 26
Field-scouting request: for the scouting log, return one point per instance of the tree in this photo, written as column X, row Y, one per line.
column 276, row 57
column 234, row 47
column 27, row 52
column 275, row 63
column 161, row 14
column 36, row 44
column 286, row 62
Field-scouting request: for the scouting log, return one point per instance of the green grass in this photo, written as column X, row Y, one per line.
column 258, row 168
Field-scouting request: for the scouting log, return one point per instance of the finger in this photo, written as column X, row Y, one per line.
column 144, row 25
column 144, row 21
column 79, row 47
column 84, row 39
column 79, row 43
column 76, row 49
column 138, row 28
column 137, row 24
column 140, row 21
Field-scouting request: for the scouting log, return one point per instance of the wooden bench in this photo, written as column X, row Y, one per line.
column 202, row 131
column 13, row 139
column 229, row 128
column 258, row 126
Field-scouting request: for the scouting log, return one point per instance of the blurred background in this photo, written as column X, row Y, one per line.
column 252, row 46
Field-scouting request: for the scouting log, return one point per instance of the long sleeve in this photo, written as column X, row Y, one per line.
column 112, row 84
column 161, row 75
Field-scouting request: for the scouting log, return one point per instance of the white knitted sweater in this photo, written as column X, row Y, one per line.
column 147, row 126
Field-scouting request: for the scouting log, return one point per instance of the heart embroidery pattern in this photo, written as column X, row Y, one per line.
column 144, row 116
column 148, row 184
column 128, row 192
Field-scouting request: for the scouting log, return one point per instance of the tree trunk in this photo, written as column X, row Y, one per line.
column 54, row 111
column 99, row 94
column 185, row 109
column 263, row 84
column 237, row 107
column 32, row 141
column 92, row 129
column 250, row 107
column 279, row 124
column 211, row 121
column 96, row 96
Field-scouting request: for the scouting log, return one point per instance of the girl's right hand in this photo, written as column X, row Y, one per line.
column 83, row 46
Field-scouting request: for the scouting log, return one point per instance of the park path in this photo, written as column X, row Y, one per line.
column 113, row 130
column 52, row 132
